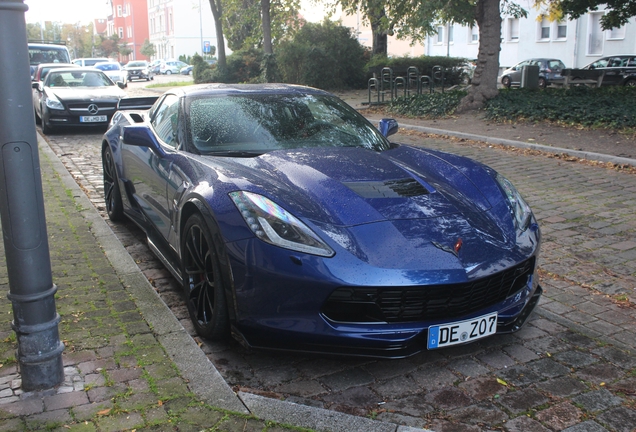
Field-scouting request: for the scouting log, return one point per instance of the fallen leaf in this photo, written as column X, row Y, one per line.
column 104, row 412
column 502, row 382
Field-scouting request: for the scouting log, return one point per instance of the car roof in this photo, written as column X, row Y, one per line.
column 243, row 89
column 61, row 65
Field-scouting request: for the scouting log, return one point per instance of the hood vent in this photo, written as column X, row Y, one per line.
column 402, row 188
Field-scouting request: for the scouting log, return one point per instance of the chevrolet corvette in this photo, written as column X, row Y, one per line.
column 293, row 223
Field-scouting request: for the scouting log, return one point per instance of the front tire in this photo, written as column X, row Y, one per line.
column 506, row 81
column 543, row 83
column 630, row 83
column 112, row 193
column 168, row 72
column 202, row 281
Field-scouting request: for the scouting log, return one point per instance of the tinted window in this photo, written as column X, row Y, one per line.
column 260, row 123
column 77, row 79
column 165, row 121
column 52, row 54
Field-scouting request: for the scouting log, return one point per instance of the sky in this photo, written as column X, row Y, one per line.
column 84, row 11
column 66, row 11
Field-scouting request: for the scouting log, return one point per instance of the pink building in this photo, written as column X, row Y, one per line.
column 129, row 20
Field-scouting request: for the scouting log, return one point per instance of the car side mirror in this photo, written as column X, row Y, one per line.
column 35, row 85
column 121, row 85
column 141, row 136
column 388, row 127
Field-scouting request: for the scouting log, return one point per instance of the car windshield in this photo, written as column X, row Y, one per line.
column 260, row 123
column 136, row 64
column 78, row 79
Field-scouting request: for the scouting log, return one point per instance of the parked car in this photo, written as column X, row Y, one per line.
column 291, row 220
column 171, row 67
column 187, row 70
column 40, row 74
column 114, row 71
column 77, row 96
column 549, row 72
column 139, row 69
column 83, row 62
column 47, row 52
column 619, row 69
column 155, row 67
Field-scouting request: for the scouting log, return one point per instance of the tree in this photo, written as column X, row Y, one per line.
column 417, row 19
column 618, row 12
column 374, row 12
column 147, row 49
column 247, row 22
column 217, row 13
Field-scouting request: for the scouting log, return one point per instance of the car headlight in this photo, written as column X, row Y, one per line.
column 518, row 206
column 273, row 224
column 53, row 102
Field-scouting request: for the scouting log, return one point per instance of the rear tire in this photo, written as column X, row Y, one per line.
column 168, row 72
column 202, row 281
column 630, row 83
column 112, row 193
column 543, row 83
column 505, row 81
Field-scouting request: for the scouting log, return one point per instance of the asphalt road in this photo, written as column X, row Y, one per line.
column 571, row 368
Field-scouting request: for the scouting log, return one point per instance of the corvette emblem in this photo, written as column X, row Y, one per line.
column 93, row 109
column 453, row 250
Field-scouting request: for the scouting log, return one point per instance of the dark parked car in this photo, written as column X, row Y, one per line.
column 47, row 52
column 76, row 96
column 139, row 69
column 549, row 72
column 295, row 224
column 38, row 77
column 619, row 69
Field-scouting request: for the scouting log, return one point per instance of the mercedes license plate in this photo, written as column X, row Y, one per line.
column 92, row 119
column 462, row 331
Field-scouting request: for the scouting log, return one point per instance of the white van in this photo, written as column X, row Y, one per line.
column 47, row 52
column 83, row 62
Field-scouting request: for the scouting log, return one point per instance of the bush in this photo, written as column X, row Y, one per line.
column 434, row 105
column 324, row 55
column 243, row 66
column 605, row 107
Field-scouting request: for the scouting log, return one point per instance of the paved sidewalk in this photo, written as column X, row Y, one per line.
column 129, row 364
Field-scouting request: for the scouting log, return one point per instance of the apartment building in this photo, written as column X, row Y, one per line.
column 576, row 42
column 129, row 21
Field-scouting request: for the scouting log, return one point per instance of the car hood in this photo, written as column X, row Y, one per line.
column 354, row 186
column 82, row 93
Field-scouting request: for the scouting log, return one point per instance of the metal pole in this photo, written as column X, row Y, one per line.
column 31, row 288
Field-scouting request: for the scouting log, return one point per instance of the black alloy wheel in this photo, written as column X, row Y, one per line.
column 202, row 281
column 112, row 193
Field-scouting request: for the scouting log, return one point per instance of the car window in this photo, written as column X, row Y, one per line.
column 260, row 123
column 107, row 66
column 165, row 121
column 602, row 63
column 631, row 62
column 555, row 65
column 77, row 79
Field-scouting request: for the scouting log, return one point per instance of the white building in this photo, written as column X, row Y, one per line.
column 180, row 27
column 575, row 42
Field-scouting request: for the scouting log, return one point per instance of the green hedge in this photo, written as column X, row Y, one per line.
column 605, row 107
column 433, row 105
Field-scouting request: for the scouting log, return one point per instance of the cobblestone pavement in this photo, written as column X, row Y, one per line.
column 572, row 367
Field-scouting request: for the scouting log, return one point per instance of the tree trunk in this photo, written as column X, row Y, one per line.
column 380, row 38
column 267, row 27
column 484, row 82
column 217, row 13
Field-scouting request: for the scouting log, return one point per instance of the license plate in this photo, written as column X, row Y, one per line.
column 462, row 331
column 92, row 119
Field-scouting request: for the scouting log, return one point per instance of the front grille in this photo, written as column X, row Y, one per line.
column 428, row 302
column 103, row 106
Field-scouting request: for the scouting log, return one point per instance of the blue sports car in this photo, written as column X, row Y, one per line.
column 294, row 224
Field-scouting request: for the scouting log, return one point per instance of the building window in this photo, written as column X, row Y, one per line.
column 120, row 32
column 544, row 30
column 474, row 34
column 562, row 30
column 129, row 31
column 595, row 34
column 616, row 33
column 450, row 33
column 440, row 35
column 513, row 29
column 119, row 12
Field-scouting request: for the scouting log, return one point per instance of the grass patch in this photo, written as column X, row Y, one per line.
column 171, row 84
